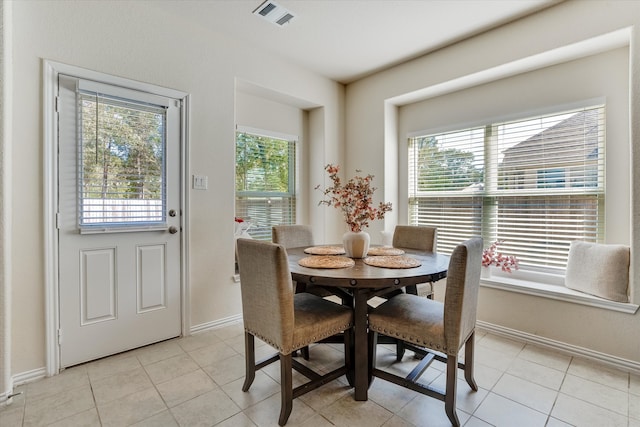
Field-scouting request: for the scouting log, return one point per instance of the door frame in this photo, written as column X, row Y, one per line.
column 51, row 70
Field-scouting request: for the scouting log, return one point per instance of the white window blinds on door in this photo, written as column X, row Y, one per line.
column 121, row 161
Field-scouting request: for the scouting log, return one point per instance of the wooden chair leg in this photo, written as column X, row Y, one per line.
column 469, row 349
column 348, row 350
column 349, row 355
column 450, row 393
column 286, row 388
column 373, row 353
column 249, row 360
column 373, row 345
column 305, row 352
column 399, row 350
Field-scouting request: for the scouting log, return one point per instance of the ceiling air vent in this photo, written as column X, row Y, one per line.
column 274, row 13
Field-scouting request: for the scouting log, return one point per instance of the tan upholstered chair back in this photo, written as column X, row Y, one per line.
column 461, row 297
column 267, row 292
column 292, row 236
column 415, row 237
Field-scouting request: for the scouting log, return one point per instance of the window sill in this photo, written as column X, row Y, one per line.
column 544, row 290
column 556, row 292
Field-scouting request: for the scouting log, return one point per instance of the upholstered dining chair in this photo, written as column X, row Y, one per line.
column 419, row 238
column 296, row 236
column 284, row 320
column 439, row 330
column 292, row 236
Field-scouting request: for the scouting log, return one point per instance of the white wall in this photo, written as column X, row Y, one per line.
column 260, row 112
column 601, row 78
column 374, row 106
column 137, row 40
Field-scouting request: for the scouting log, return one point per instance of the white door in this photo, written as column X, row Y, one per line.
column 119, row 219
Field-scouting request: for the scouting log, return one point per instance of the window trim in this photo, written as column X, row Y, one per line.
column 556, row 291
column 595, row 45
column 267, row 133
column 549, row 284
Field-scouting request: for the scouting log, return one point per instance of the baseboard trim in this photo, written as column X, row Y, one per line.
column 573, row 350
column 216, row 324
column 29, row 376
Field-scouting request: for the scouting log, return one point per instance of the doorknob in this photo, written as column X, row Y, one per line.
column 173, row 230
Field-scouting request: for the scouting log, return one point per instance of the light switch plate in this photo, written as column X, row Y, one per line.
column 200, row 182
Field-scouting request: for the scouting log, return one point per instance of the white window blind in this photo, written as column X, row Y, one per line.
column 537, row 184
column 121, row 161
column 265, row 182
column 446, row 176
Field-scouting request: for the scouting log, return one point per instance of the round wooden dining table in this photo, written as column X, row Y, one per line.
column 358, row 284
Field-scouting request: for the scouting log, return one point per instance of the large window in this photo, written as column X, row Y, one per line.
column 265, row 181
column 537, row 184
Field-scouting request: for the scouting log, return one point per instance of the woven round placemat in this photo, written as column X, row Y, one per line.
column 381, row 251
column 398, row 261
column 331, row 261
column 325, row 250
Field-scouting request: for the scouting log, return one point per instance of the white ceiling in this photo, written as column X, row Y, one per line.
column 347, row 39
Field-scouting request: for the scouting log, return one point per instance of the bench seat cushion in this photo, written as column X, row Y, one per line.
column 599, row 269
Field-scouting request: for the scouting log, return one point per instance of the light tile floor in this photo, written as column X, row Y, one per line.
column 196, row 381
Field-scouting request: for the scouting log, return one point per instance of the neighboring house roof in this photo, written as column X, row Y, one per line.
column 558, row 144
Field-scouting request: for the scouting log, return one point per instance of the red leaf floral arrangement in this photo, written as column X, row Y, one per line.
column 491, row 256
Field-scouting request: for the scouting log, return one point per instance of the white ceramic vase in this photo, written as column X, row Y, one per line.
column 356, row 244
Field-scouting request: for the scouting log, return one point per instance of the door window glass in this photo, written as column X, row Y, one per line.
column 122, row 162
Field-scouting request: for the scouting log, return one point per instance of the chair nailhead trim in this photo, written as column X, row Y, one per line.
column 411, row 338
column 300, row 344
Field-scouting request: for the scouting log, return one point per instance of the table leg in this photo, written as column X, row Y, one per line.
column 361, row 347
